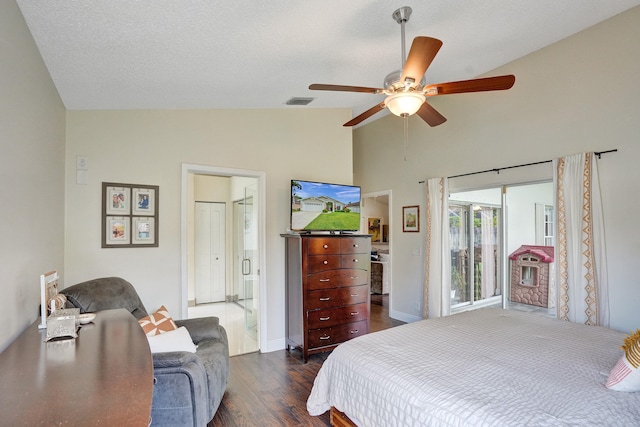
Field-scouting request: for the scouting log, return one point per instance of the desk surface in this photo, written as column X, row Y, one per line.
column 102, row 377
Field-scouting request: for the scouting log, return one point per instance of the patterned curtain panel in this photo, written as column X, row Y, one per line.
column 582, row 268
column 437, row 289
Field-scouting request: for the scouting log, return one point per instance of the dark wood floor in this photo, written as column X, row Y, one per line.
column 271, row 389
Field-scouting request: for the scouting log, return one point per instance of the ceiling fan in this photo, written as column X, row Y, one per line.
column 407, row 90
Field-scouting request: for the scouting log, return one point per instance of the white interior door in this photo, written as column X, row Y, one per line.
column 210, row 258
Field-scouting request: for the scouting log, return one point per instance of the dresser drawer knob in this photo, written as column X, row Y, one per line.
column 325, row 299
column 323, row 319
column 326, row 337
column 355, row 245
column 353, row 313
column 325, row 262
column 355, row 331
column 355, row 295
column 325, row 246
column 325, row 280
column 355, row 260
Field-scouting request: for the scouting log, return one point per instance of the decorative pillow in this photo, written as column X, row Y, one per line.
column 178, row 340
column 625, row 375
column 158, row 323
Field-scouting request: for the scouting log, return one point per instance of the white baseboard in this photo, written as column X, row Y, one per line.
column 407, row 318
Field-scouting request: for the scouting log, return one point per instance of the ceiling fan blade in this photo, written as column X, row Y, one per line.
column 431, row 115
column 343, row 88
column 474, row 85
column 423, row 50
column 370, row 112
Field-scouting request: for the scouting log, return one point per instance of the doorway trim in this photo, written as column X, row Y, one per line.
column 391, row 240
column 189, row 168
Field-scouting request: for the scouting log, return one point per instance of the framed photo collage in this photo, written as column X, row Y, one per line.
column 129, row 215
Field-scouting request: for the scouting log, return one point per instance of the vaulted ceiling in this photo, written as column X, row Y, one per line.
column 168, row 54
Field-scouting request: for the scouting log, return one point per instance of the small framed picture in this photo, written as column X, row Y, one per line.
column 118, row 200
column 411, row 218
column 143, row 231
column 117, row 230
column 129, row 215
column 144, row 200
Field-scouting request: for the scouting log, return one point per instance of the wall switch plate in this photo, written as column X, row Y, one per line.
column 82, row 163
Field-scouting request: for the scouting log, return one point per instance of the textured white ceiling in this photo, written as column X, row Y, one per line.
column 168, row 54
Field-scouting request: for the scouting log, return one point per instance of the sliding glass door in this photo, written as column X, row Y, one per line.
column 485, row 228
column 476, row 249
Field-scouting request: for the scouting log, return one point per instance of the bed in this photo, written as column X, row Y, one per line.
column 488, row 367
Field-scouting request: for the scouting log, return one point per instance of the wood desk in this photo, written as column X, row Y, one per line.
column 102, row 377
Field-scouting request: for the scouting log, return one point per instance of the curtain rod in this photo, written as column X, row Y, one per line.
column 497, row 170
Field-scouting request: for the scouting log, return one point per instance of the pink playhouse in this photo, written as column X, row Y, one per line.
column 531, row 275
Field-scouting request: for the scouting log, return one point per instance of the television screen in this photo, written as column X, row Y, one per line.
column 320, row 206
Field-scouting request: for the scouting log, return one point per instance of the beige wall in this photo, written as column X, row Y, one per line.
column 31, row 176
column 580, row 94
column 149, row 147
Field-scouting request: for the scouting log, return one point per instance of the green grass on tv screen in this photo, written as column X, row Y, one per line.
column 335, row 221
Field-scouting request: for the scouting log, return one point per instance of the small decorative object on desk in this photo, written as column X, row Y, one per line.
column 48, row 291
column 85, row 318
column 62, row 323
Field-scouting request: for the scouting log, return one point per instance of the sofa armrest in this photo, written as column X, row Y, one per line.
column 174, row 359
column 204, row 328
column 180, row 393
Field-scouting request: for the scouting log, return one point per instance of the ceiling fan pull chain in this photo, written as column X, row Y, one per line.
column 406, row 136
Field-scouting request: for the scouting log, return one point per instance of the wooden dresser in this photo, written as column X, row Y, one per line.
column 327, row 290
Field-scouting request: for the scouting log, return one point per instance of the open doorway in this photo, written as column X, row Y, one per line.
column 222, row 235
column 375, row 220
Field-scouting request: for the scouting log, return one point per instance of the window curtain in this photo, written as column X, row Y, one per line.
column 437, row 289
column 583, row 295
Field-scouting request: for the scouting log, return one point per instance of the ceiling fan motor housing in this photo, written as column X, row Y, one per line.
column 392, row 82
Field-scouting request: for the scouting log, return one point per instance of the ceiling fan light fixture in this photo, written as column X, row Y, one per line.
column 404, row 103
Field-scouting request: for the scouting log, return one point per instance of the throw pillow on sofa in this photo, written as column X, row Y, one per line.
column 178, row 340
column 158, row 323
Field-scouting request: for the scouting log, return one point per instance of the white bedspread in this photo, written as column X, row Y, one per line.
column 487, row 367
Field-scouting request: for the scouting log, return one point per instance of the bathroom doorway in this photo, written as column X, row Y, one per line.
column 235, row 255
column 376, row 220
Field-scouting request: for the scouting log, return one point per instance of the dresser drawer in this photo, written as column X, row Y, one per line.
column 355, row 245
column 337, row 334
column 362, row 261
column 337, row 278
column 327, row 298
column 336, row 316
column 316, row 263
column 317, row 246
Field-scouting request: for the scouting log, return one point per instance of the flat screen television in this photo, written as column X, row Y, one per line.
column 321, row 206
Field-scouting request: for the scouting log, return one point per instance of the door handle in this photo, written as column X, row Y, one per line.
column 246, row 266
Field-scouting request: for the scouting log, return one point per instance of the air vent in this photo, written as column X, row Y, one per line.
column 299, row 101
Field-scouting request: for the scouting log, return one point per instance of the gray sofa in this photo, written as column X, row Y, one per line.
column 188, row 387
